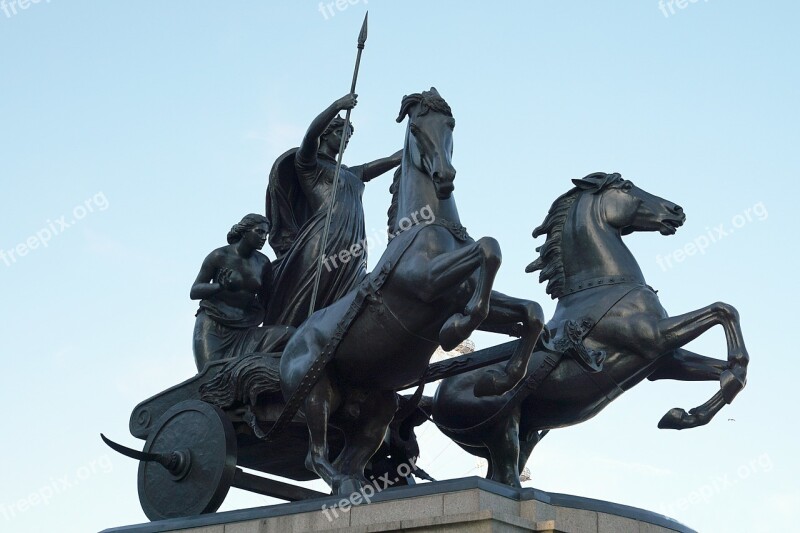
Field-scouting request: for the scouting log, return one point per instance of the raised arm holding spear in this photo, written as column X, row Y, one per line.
column 362, row 39
column 325, row 217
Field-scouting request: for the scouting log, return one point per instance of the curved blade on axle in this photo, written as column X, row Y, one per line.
column 129, row 452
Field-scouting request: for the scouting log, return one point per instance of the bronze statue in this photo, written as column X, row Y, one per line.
column 233, row 287
column 374, row 334
column 298, row 196
column 609, row 332
column 432, row 286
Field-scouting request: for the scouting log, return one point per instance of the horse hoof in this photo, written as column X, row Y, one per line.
column 492, row 383
column 676, row 418
column 454, row 332
column 345, row 485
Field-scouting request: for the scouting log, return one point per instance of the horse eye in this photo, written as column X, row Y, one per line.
column 627, row 186
column 414, row 128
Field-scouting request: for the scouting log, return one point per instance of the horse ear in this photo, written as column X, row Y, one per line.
column 434, row 91
column 408, row 101
column 403, row 110
column 585, row 185
column 594, row 181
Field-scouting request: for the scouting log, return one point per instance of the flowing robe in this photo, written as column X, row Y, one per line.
column 297, row 228
column 222, row 331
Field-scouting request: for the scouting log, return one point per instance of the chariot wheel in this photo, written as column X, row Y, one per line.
column 200, row 443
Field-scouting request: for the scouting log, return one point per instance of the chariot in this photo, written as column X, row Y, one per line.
column 200, row 438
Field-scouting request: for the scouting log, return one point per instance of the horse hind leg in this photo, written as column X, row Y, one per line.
column 526, row 447
column 504, row 448
column 506, row 310
column 365, row 435
column 319, row 404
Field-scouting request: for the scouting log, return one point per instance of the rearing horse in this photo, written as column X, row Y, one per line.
column 604, row 307
column 432, row 286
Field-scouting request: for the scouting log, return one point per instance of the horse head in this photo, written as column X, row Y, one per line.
column 584, row 228
column 628, row 208
column 429, row 139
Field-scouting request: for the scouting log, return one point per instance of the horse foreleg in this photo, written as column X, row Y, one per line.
column 504, row 310
column 444, row 272
column 459, row 326
column 701, row 415
column 685, row 365
column 682, row 329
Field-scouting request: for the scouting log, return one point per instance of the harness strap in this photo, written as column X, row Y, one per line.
column 532, row 382
column 368, row 289
column 408, row 406
column 527, row 386
column 592, row 283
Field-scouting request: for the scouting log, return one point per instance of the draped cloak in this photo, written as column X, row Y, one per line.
column 296, row 233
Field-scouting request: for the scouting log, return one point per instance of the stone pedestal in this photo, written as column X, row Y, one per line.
column 469, row 505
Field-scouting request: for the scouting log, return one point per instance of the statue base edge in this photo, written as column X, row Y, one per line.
column 470, row 504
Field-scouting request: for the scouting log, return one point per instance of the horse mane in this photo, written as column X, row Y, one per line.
column 394, row 190
column 550, row 261
column 428, row 101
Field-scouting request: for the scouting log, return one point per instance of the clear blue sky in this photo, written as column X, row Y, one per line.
column 151, row 127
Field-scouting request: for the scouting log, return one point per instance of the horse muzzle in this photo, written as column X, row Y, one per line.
column 669, row 226
column 445, row 183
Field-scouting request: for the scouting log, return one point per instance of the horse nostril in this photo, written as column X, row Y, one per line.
column 677, row 210
column 444, row 176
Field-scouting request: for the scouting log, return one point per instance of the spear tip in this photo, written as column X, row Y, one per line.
column 362, row 37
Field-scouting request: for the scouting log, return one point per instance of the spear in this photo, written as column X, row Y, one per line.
column 362, row 38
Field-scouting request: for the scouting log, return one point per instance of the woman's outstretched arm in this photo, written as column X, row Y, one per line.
column 380, row 166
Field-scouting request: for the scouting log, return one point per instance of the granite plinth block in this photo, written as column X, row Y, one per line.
column 468, row 505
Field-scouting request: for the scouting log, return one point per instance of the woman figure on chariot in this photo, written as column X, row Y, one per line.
column 298, row 196
column 233, row 287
